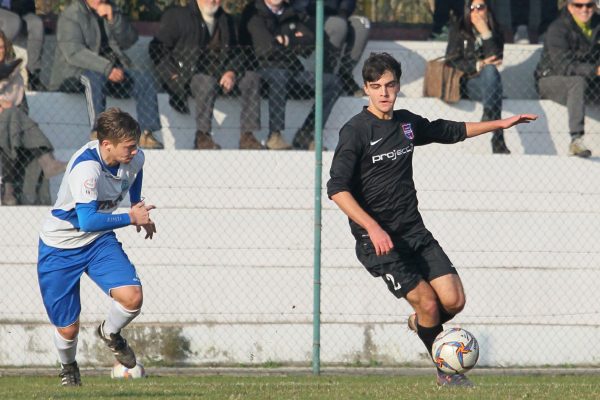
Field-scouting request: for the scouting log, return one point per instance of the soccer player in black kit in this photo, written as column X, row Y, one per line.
column 372, row 183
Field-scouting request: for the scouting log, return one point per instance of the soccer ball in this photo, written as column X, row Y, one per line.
column 455, row 351
column 119, row 371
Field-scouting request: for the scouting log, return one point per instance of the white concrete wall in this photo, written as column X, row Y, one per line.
column 231, row 266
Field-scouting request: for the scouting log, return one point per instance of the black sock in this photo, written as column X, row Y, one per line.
column 428, row 335
column 445, row 316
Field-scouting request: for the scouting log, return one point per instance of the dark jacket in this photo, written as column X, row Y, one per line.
column 259, row 28
column 183, row 45
column 22, row 7
column 462, row 52
column 567, row 51
column 343, row 8
column 78, row 43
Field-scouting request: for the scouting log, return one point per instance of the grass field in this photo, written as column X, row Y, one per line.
column 304, row 387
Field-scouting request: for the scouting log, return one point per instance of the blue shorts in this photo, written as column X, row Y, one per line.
column 60, row 270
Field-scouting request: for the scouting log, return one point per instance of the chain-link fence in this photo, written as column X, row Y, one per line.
column 228, row 278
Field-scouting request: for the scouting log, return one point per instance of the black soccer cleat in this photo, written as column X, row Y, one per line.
column 118, row 345
column 69, row 374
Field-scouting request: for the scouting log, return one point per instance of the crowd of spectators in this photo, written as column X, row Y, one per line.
column 200, row 52
column 567, row 73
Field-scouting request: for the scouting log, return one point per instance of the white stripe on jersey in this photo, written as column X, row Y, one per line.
column 87, row 179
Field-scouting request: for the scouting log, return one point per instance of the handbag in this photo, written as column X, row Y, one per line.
column 442, row 81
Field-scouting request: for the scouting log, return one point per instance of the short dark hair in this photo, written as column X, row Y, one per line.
column 117, row 126
column 376, row 65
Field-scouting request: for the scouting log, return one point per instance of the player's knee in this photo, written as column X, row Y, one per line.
column 130, row 297
column 455, row 305
column 428, row 308
column 70, row 332
column 133, row 302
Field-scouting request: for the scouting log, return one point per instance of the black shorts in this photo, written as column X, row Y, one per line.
column 403, row 269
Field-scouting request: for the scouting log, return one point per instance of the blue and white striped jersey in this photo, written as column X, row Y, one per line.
column 88, row 180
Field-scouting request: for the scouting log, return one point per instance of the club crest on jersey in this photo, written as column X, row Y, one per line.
column 90, row 183
column 125, row 185
column 408, row 132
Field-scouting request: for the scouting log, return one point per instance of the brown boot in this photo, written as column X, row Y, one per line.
column 51, row 166
column 8, row 198
column 204, row 141
column 148, row 141
column 277, row 142
column 249, row 142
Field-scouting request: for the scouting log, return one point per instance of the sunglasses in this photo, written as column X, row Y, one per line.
column 586, row 5
column 480, row 6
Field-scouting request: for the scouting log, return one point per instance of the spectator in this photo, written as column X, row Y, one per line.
column 569, row 68
column 502, row 10
column 91, row 36
column 195, row 50
column 475, row 46
column 278, row 36
column 347, row 34
column 531, row 17
column 17, row 131
column 12, row 15
column 441, row 17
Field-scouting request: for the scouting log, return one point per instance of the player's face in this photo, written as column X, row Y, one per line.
column 582, row 10
column 121, row 153
column 382, row 94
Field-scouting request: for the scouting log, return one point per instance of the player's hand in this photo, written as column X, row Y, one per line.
column 381, row 241
column 140, row 214
column 227, row 81
column 150, row 229
column 116, row 75
column 517, row 119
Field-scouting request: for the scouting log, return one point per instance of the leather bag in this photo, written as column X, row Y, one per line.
column 442, row 81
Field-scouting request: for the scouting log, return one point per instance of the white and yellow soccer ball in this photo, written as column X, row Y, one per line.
column 455, row 351
column 119, row 371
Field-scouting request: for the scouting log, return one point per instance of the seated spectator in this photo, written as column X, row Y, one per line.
column 569, row 68
column 346, row 33
column 475, row 46
column 195, row 50
column 12, row 15
column 17, row 131
column 441, row 17
column 531, row 18
column 91, row 36
column 277, row 36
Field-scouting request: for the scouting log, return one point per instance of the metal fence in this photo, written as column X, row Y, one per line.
column 228, row 278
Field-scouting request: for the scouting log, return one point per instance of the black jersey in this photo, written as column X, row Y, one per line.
column 373, row 161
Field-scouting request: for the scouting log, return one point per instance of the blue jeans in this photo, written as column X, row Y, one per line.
column 138, row 84
column 487, row 88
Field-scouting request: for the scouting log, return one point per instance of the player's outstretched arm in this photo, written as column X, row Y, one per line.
column 478, row 128
column 380, row 238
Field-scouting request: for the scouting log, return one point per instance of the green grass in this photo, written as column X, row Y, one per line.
column 304, row 387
